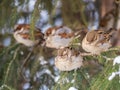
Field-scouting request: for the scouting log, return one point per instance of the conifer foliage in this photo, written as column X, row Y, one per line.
column 59, row 45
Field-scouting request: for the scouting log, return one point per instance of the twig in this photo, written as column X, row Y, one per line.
column 8, row 69
column 86, row 54
column 72, row 42
column 112, row 49
column 25, row 61
column 5, row 86
column 108, row 59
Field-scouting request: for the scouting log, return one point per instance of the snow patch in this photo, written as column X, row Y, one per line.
column 72, row 88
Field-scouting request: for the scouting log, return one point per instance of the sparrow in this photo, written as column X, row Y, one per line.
column 68, row 59
column 58, row 37
column 22, row 35
column 112, row 18
column 97, row 41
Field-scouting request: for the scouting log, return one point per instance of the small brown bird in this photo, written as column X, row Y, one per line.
column 22, row 35
column 112, row 18
column 57, row 37
column 68, row 59
column 97, row 41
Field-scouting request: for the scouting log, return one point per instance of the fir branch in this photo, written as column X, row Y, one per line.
column 25, row 61
column 6, row 86
column 10, row 64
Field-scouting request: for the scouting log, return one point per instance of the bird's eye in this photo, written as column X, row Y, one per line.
column 70, row 48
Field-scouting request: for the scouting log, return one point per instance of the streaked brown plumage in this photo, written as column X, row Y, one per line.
column 68, row 59
column 57, row 37
column 22, row 35
column 97, row 41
